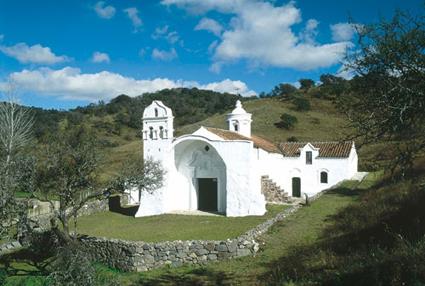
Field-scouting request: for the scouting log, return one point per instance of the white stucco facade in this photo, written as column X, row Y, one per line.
column 220, row 170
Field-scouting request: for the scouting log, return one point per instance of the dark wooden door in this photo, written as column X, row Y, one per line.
column 296, row 187
column 207, row 194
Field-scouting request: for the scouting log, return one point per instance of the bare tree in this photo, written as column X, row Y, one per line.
column 16, row 124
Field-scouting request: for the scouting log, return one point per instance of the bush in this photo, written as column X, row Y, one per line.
column 287, row 121
column 292, row 139
column 301, row 104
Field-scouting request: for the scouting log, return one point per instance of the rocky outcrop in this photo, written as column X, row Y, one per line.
column 142, row 256
column 272, row 192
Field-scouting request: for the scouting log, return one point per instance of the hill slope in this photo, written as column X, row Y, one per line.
column 321, row 123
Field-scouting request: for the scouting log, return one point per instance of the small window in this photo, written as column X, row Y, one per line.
column 207, row 148
column 323, row 177
column 156, row 112
column 236, row 127
column 161, row 132
column 151, row 132
column 308, row 157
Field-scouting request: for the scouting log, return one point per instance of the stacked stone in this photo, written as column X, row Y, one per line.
column 272, row 192
column 139, row 256
column 10, row 247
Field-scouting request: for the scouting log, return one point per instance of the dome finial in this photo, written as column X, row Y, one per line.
column 238, row 104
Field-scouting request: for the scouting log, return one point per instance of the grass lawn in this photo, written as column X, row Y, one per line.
column 170, row 227
column 303, row 228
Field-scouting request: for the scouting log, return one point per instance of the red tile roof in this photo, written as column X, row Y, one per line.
column 289, row 149
column 326, row 149
column 258, row 141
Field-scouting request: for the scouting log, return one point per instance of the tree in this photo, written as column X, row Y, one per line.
column 283, row 90
column 68, row 175
column 306, row 83
column 301, row 104
column 287, row 121
column 332, row 86
column 15, row 132
column 144, row 176
column 387, row 98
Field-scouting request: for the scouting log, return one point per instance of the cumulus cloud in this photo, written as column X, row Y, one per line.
column 105, row 12
column 310, row 32
column 164, row 33
column 210, row 25
column 71, row 83
column 133, row 15
column 164, row 55
column 35, row 54
column 342, row 31
column 99, row 57
column 261, row 33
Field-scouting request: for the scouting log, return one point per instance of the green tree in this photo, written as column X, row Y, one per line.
column 287, row 121
column 306, row 83
column 283, row 90
column 142, row 175
column 301, row 103
column 68, row 175
column 387, row 98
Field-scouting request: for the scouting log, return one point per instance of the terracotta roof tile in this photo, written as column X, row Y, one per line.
column 258, row 141
column 326, row 149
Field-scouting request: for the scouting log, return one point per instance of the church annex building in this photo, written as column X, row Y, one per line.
column 233, row 172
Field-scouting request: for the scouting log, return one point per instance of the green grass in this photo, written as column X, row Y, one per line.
column 169, row 226
column 322, row 123
column 302, row 228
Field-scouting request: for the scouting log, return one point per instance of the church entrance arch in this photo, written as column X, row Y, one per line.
column 203, row 174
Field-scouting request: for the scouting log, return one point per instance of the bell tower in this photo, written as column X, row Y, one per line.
column 157, row 131
column 239, row 120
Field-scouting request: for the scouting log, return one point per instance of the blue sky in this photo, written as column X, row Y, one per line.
column 60, row 54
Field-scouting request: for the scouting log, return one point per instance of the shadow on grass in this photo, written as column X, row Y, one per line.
column 199, row 276
column 380, row 240
column 26, row 262
column 115, row 206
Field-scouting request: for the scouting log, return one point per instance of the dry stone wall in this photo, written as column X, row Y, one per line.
column 141, row 256
column 272, row 192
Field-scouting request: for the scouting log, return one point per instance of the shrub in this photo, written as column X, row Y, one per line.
column 292, row 139
column 301, row 104
column 287, row 121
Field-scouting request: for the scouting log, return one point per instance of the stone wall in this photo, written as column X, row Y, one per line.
column 141, row 256
column 272, row 192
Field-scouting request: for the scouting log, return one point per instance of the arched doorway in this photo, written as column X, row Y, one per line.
column 204, row 175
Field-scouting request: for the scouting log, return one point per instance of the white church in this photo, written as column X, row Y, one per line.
column 233, row 172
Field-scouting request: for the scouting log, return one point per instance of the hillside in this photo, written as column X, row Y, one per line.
column 321, row 123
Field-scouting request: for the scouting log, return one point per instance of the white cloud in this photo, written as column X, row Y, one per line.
column 99, row 57
column 310, row 32
column 164, row 55
column 210, row 25
column 36, row 54
column 71, row 83
column 105, row 12
column 1, row 37
column 164, row 33
column 342, row 31
column 261, row 33
column 133, row 15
